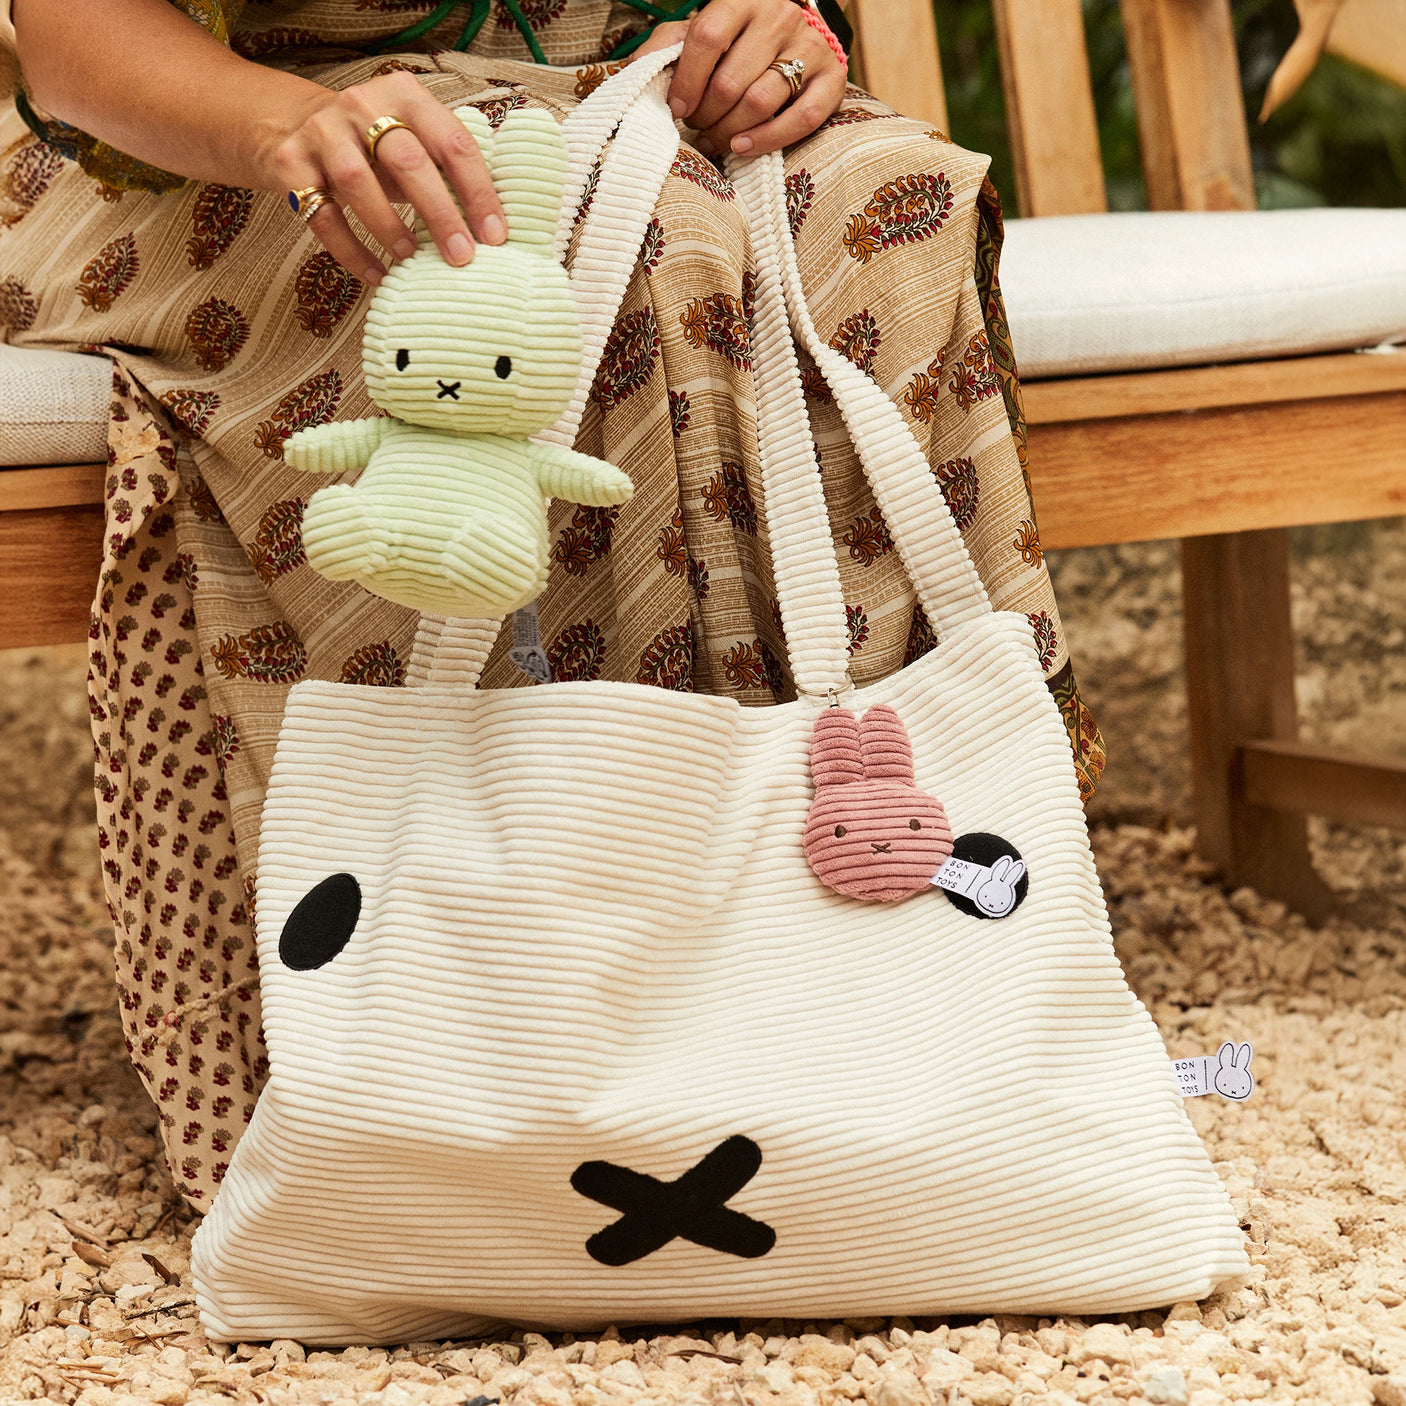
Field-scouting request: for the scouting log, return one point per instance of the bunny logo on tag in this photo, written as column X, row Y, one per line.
column 872, row 834
column 984, row 877
column 1226, row 1073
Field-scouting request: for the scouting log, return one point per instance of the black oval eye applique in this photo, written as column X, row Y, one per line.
column 503, row 367
column 402, row 359
column 915, row 824
column 321, row 925
column 840, row 832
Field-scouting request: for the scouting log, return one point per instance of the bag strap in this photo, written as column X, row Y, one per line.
column 797, row 522
column 921, row 524
column 631, row 105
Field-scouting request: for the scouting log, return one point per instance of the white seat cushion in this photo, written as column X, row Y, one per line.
column 53, row 406
column 1119, row 292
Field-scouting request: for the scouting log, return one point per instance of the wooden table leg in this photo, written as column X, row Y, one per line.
column 1240, row 688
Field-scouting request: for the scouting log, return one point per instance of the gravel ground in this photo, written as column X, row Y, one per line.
column 95, row 1303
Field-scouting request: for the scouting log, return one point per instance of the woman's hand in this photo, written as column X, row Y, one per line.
column 147, row 79
column 723, row 87
column 420, row 167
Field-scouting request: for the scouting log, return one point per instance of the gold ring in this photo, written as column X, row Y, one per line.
column 378, row 129
column 308, row 201
column 792, row 70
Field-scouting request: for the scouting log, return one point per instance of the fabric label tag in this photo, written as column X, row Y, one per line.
column 527, row 652
column 1226, row 1073
column 994, row 894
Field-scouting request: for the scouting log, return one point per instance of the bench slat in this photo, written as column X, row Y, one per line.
column 1235, row 469
column 54, row 486
column 1191, row 116
column 1050, row 107
column 1206, row 387
column 897, row 57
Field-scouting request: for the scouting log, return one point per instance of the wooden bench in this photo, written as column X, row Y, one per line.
column 1226, row 458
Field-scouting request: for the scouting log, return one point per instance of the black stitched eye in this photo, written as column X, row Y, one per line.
column 503, row 367
column 915, row 825
column 402, row 359
column 322, row 923
column 840, row 832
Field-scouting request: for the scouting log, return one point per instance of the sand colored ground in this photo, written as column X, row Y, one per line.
column 95, row 1304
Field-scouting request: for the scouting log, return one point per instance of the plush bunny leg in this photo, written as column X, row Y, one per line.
column 563, row 473
column 489, row 571
column 333, row 449
column 342, row 539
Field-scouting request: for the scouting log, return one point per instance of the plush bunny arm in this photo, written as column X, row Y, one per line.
column 563, row 473
column 335, row 448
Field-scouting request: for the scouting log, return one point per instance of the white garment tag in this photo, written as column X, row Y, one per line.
column 527, row 652
column 1226, row 1073
column 994, row 895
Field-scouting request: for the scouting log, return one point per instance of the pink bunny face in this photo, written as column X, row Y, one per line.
column 871, row 833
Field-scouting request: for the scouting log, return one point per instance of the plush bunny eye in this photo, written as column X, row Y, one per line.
column 503, row 367
column 402, row 359
column 915, row 824
column 840, row 832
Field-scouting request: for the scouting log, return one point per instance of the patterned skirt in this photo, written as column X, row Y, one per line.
column 230, row 329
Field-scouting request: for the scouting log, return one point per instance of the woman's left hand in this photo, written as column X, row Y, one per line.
column 724, row 88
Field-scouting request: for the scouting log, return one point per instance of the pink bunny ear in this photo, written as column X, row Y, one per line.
column 884, row 746
column 834, row 749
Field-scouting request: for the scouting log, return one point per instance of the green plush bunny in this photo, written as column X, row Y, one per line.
column 450, row 513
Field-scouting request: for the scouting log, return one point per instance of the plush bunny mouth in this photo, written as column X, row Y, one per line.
column 445, row 389
column 879, row 849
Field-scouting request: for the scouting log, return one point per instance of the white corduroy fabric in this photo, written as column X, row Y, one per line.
column 588, row 932
column 1088, row 293
column 53, row 406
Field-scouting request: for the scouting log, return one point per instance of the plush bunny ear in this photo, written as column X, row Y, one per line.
column 479, row 127
column 884, row 745
column 482, row 133
column 834, row 749
column 529, row 171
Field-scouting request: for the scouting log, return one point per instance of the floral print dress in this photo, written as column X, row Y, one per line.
column 230, row 329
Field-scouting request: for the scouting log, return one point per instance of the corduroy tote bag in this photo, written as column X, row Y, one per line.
column 565, row 1029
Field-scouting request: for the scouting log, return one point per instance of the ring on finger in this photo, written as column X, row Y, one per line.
column 792, row 70
column 308, row 200
column 378, row 129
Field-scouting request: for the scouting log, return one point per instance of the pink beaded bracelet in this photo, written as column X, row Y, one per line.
column 827, row 34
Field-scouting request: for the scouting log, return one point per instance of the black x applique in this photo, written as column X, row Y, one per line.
column 653, row 1212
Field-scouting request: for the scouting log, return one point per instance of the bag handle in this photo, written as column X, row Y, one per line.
column 453, row 651
column 804, row 568
column 921, row 524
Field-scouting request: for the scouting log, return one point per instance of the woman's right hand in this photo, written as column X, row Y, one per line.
column 325, row 146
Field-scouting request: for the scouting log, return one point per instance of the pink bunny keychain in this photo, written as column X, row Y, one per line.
column 872, row 834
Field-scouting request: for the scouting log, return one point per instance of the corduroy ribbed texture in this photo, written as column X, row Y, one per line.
column 588, row 932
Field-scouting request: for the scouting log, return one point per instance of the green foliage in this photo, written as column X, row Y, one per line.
column 1341, row 140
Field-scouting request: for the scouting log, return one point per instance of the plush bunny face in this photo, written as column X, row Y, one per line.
column 871, row 833
column 495, row 347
